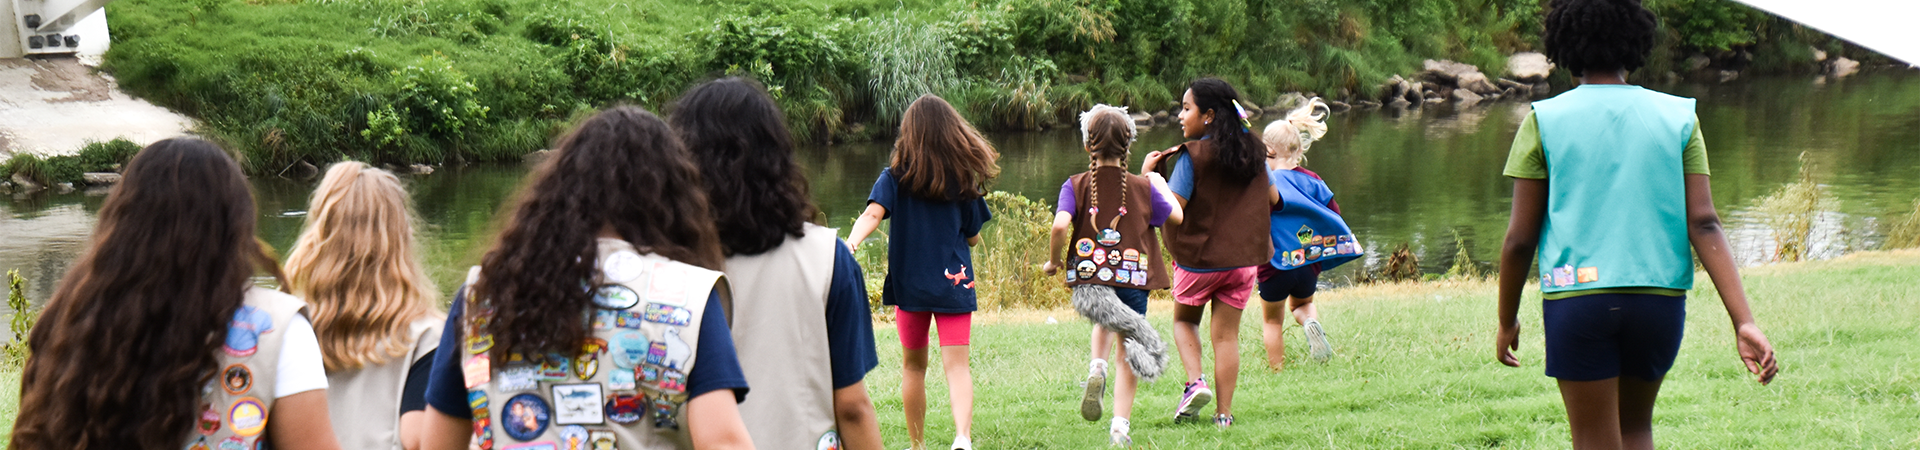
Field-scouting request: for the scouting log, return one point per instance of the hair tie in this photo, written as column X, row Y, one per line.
column 1244, row 124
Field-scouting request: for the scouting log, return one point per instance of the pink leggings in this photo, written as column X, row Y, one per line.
column 955, row 329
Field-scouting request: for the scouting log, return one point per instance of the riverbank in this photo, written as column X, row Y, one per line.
column 1414, row 368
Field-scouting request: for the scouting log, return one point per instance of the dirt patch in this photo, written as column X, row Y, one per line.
column 54, row 105
column 66, row 74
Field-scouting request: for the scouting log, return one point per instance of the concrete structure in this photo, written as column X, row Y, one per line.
column 38, row 27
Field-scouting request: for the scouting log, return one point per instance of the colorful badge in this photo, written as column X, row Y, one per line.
column 233, row 443
column 243, row 334
column 1299, row 256
column 829, row 441
column 1083, row 247
column 677, row 352
column 1588, row 274
column 614, row 296
column 525, row 416
column 1086, row 268
column 670, row 315
column 588, row 362
column 483, row 433
column 603, row 319
column 1305, row 235
column 1099, row 256
column 1139, row 278
column 542, row 445
column 1130, row 255
column 1105, row 274
column 664, row 412
column 236, row 379
column 1563, row 276
column 620, row 380
column 627, row 319
column 477, row 402
column 574, row 437
column 479, row 343
column 200, row 444
column 518, row 377
column 625, row 408
column 623, row 266
column 1313, row 253
column 577, row 404
column 477, row 370
column 209, row 421
column 602, row 440
column 554, row 367
column 670, row 381
column 1109, row 237
column 670, row 284
column 1130, row 265
column 247, row 416
column 1121, row 276
column 1113, row 258
column 1073, row 275
column 629, row 349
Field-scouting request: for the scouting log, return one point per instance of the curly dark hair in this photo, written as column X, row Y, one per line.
column 622, row 170
column 1584, row 35
column 133, row 331
column 739, row 139
column 1241, row 154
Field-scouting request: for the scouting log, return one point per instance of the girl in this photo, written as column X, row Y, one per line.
column 800, row 317
column 1307, row 232
column 932, row 191
column 1219, row 180
column 155, row 339
column 1116, row 260
column 1610, row 187
column 357, row 266
column 599, row 307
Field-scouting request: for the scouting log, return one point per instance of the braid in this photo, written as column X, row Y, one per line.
column 1583, row 35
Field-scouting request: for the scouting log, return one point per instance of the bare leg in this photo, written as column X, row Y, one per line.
column 1186, row 337
column 1273, row 331
column 1124, row 388
column 1103, row 340
column 1226, row 354
column 1636, row 412
column 954, row 360
column 913, row 395
column 1303, row 309
column 1593, row 413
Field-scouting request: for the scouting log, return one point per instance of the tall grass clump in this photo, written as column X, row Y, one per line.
column 905, row 60
column 1013, row 248
column 15, row 350
column 1791, row 211
column 1906, row 232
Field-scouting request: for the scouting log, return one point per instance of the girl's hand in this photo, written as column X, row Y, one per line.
column 1756, row 352
column 1050, row 268
column 1152, row 163
column 1507, row 342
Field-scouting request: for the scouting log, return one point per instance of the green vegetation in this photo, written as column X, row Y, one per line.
column 94, row 157
column 1906, row 232
column 402, row 81
column 15, row 351
column 1791, row 211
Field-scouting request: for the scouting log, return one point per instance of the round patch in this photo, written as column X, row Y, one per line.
column 623, row 266
column 1099, row 256
column 209, row 422
column 573, row 437
column 1083, row 247
column 829, row 441
column 200, row 444
column 1085, row 268
column 603, row 440
column 614, row 296
column 236, row 379
column 1109, row 237
column 626, row 408
column 1113, row 258
column 1313, row 253
column 525, row 417
column 1130, row 255
column 629, row 349
column 1106, row 274
column 247, row 417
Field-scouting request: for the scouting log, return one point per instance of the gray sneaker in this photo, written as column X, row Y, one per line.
column 1096, row 387
column 1317, row 345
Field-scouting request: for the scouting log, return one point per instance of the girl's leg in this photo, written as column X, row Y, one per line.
column 1099, row 371
column 1636, row 412
column 1273, row 331
column 1126, row 383
column 1226, row 353
column 1593, row 413
column 913, row 395
column 1303, row 309
column 1102, row 341
column 954, row 359
column 1186, row 337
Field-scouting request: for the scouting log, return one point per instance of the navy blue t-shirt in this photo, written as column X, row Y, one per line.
column 849, row 322
column 714, row 365
column 929, row 266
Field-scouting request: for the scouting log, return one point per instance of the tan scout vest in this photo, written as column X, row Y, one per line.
column 365, row 404
column 1225, row 225
column 234, row 406
column 626, row 390
column 1131, row 259
column 780, row 334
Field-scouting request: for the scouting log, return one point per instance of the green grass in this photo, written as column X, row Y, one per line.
column 1415, row 369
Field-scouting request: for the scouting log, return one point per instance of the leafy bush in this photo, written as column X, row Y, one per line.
column 45, row 171
column 1013, row 248
column 107, row 156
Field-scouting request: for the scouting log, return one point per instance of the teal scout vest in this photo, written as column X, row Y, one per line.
column 1616, row 191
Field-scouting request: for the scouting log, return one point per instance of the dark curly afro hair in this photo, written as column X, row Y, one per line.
column 1599, row 34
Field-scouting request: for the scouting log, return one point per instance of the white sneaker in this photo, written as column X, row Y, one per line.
column 1096, row 387
column 962, row 443
column 1117, row 433
column 1317, row 345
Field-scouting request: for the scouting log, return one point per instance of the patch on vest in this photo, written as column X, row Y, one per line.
column 602, row 440
column 236, row 379
column 247, row 417
column 525, row 417
column 577, row 404
column 209, row 422
column 243, row 334
column 1083, row 247
column 614, row 296
column 829, row 441
column 574, row 437
column 200, row 444
column 542, row 445
column 625, row 408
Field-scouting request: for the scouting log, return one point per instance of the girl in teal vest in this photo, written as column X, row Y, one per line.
column 1611, row 190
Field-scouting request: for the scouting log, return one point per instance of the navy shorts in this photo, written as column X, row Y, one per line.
column 1134, row 298
column 1601, row 336
column 1280, row 284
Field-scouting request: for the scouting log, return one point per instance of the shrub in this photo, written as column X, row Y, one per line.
column 1012, row 251
column 107, row 156
column 1791, row 211
column 1906, row 232
column 24, row 316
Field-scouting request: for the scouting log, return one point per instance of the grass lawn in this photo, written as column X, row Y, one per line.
column 1415, row 369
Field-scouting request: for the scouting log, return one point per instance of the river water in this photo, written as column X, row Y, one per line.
column 1427, row 179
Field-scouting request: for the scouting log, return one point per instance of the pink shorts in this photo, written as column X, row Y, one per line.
column 1232, row 287
column 955, row 329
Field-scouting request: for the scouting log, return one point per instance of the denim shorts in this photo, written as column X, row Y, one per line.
column 1601, row 336
column 1136, row 299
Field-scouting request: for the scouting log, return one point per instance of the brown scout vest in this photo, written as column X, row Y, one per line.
column 234, row 406
column 1137, row 253
column 626, row 390
column 1225, row 224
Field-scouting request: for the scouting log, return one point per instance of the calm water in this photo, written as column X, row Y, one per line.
column 1427, row 179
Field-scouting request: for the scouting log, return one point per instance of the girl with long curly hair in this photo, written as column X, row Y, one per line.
column 358, row 267
column 156, row 338
column 601, row 305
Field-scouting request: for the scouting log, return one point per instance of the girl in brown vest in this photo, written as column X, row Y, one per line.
column 1110, row 216
column 156, row 338
column 1219, row 179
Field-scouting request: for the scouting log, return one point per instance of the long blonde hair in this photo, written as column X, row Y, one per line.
column 357, row 266
column 1289, row 137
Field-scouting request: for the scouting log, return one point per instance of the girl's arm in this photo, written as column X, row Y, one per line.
column 868, row 221
column 444, row 432
column 713, row 420
column 854, row 416
column 301, row 422
column 1062, row 225
column 1703, row 229
column 1175, row 213
column 1516, row 260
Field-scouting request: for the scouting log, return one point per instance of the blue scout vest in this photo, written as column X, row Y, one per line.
column 1304, row 230
column 1616, row 191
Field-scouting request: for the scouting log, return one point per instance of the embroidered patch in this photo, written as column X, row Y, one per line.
column 1130, row 255
column 236, row 379
column 209, row 422
column 1109, row 237
column 574, row 437
column 1588, row 274
column 625, row 408
column 603, row 319
column 1121, row 276
column 200, row 444
column 1563, row 276
column 623, row 266
column 243, row 334
column 1140, row 278
column 664, row 412
column 1130, row 265
column 829, row 441
column 670, row 381
column 620, row 380
column 247, row 416
column 525, row 417
column 1086, row 268
column 554, row 368
column 577, row 404
column 1099, row 256
column 479, row 343
column 629, row 349
column 670, row 284
column 670, row 315
column 614, row 296
column 542, row 445
column 477, row 371
column 602, row 440
column 477, row 402
column 483, row 432
column 676, row 351
column 233, row 443
column 627, row 319
column 588, row 362
column 518, row 377
column 1305, row 235
column 1105, row 274
column 1083, row 247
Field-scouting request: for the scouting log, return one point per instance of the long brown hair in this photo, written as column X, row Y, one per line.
column 129, row 338
column 358, row 267
column 621, row 169
column 939, row 156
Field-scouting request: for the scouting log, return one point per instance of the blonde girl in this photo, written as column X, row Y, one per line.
column 357, row 265
column 1308, row 235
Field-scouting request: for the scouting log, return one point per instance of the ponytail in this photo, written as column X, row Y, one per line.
column 1241, row 155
